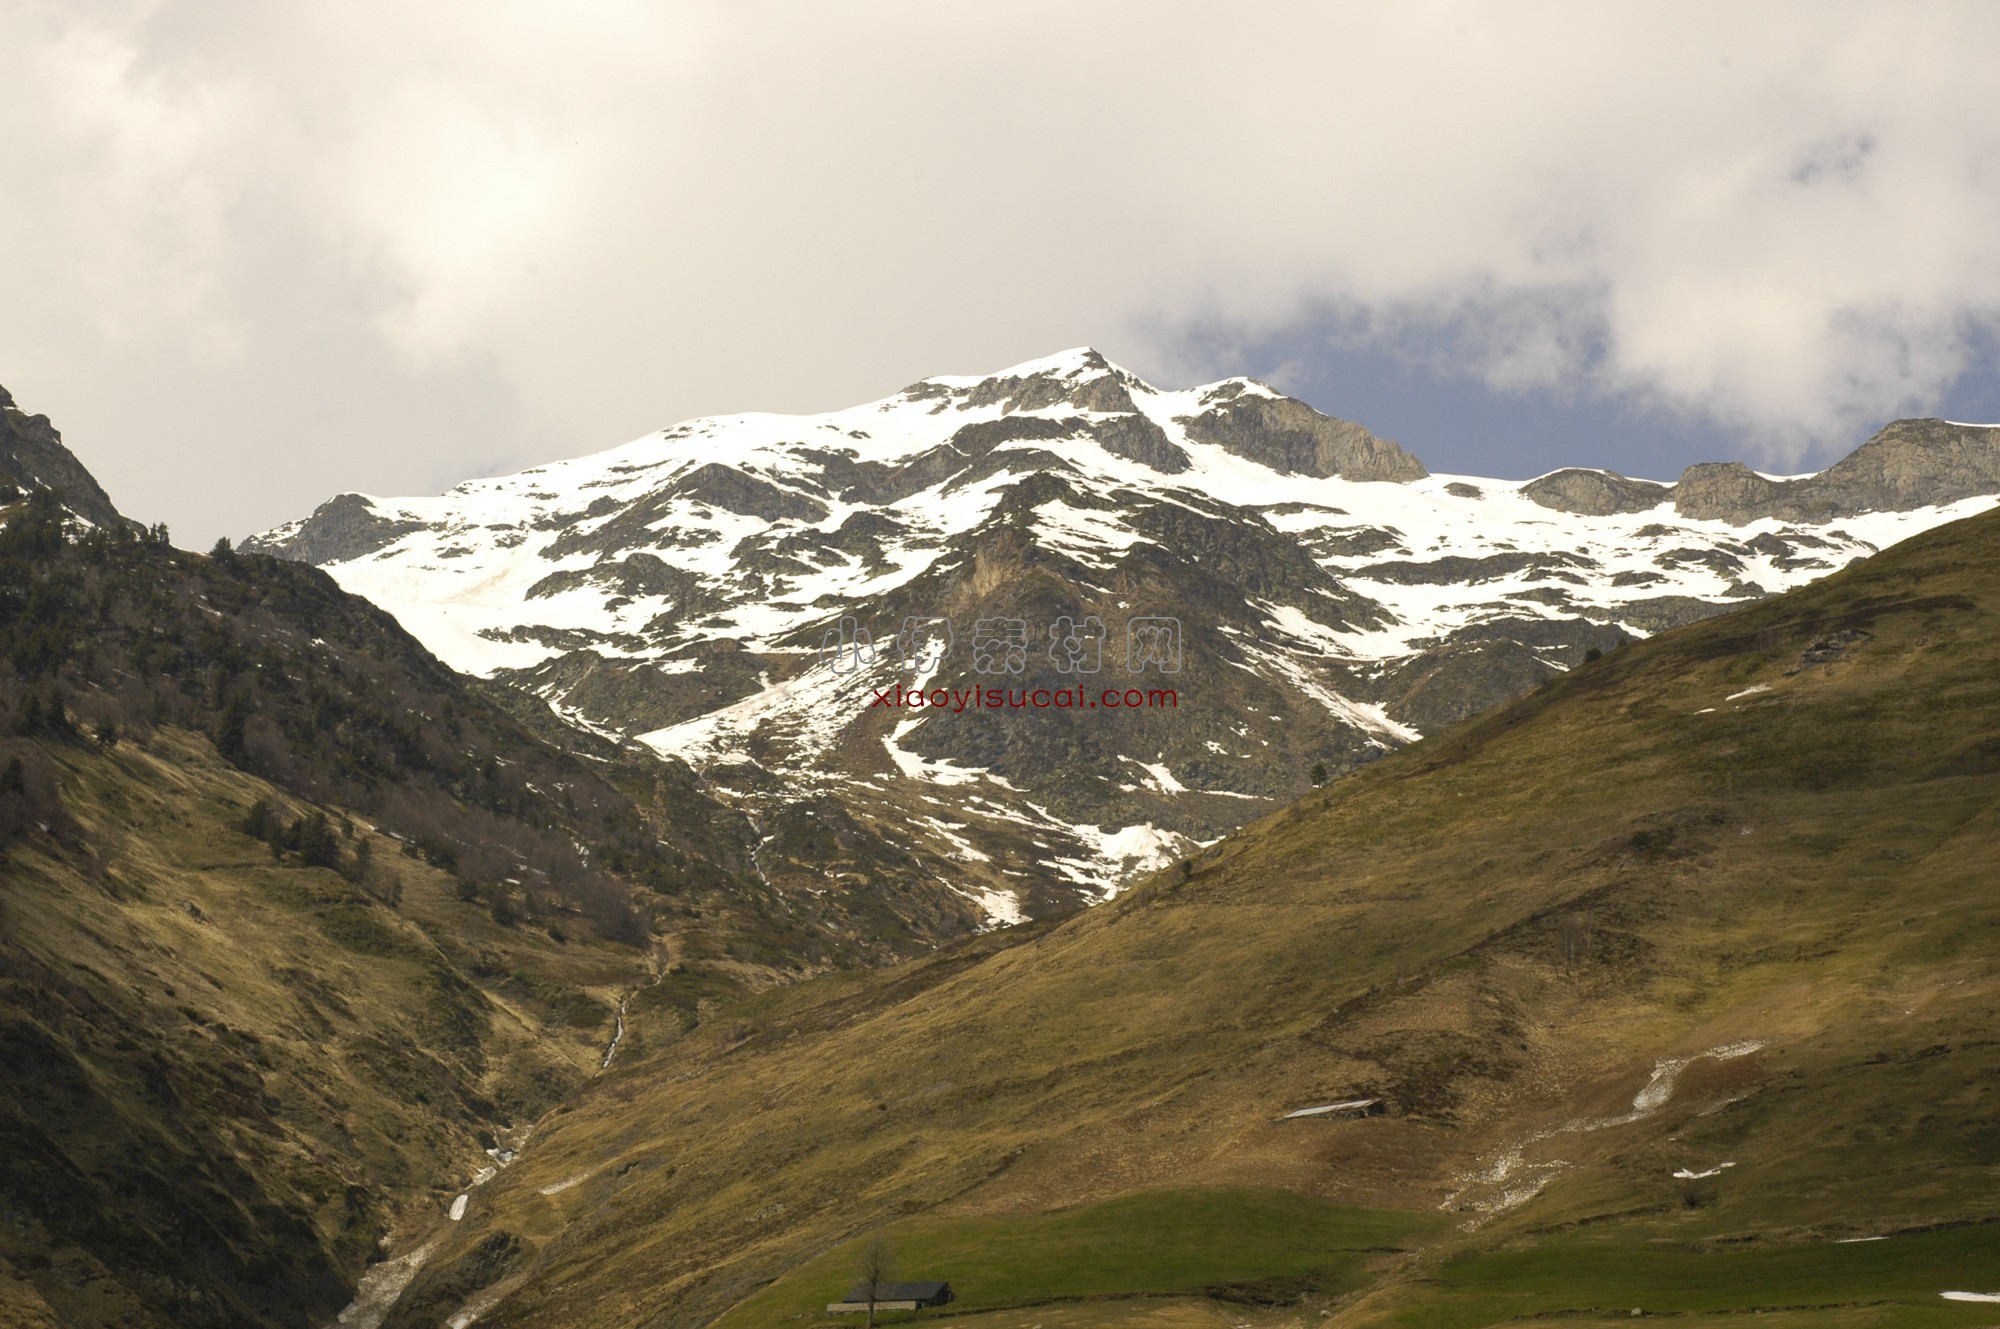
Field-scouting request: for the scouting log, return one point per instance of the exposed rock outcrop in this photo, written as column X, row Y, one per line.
column 1728, row 491
column 1138, row 439
column 1091, row 383
column 343, row 527
column 1291, row 437
column 1595, row 493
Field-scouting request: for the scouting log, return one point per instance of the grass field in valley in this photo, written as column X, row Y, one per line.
column 1260, row 1242
column 1274, row 1258
column 1894, row 1281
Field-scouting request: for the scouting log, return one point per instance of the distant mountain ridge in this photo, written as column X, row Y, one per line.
column 1908, row 464
column 1335, row 600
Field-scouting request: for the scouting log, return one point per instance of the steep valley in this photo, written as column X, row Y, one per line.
column 232, row 1080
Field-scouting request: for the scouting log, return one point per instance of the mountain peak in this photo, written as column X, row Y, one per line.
column 1076, row 362
column 1069, row 363
column 1080, row 377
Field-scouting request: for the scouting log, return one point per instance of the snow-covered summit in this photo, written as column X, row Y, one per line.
column 1076, row 362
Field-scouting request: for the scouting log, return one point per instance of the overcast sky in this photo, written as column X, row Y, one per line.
column 256, row 254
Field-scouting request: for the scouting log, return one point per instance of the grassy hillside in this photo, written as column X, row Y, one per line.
column 294, row 924
column 324, row 695
column 1726, row 897
column 228, row 1076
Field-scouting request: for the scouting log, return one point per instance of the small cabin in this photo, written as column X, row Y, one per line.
column 893, row 1297
column 1353, row 1107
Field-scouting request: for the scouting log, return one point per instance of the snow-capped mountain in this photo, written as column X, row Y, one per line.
column 1272, row 595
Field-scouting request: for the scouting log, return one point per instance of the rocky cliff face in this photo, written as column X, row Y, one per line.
column 32, row 457
column 1291, row 438
column 341, row 528
column 753, row 594
column 1595, row 493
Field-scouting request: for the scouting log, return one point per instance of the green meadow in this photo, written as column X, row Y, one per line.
column 1891, row 1282
column 1252, row 1244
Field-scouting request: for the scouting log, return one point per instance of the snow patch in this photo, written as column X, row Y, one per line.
column 1350, row 1105
column 558, row 1187
column 380, row 1286
column 468, row 1315
column 1509, row 1181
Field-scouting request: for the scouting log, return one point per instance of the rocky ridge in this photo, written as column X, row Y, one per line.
column 1909, row 464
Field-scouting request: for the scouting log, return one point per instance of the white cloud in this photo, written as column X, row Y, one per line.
column 391, row 243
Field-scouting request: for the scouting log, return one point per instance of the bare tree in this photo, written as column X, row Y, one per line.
column 875, row 1263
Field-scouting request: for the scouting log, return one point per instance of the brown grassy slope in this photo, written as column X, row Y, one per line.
column 1501, row 931
column 227, row 1076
